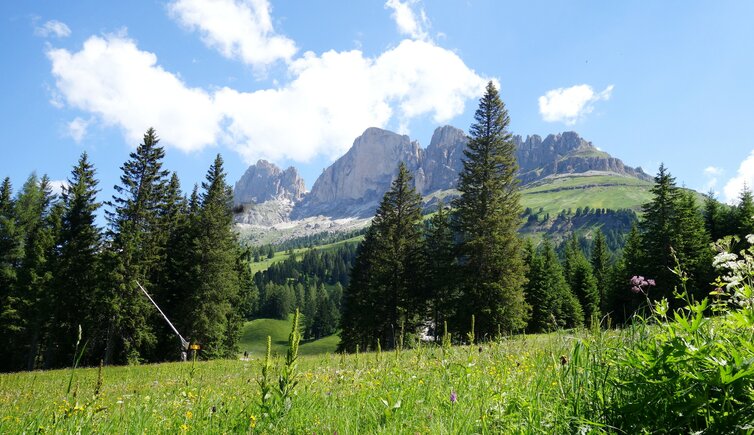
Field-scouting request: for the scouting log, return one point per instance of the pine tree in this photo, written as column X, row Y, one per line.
column 713, row 216
column 385, row 289
column 581, row 281
column 11, row 253
column 440, row 268
column 621, row 301
column 600, row 261
column 547, row 292
column 77, row 275
column 215, row 322
column 487, row 220
column 137, row 248
column 744, row 215
column 692, row 245
column 34, row 208
column 657, row 232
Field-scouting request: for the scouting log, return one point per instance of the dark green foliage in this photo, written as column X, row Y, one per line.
column 440, row 268
column 552, row 303
column 491, row 264
column 138, row 245
column 76, row 285
column 743, row 216
column 11, row 253
column 385, row 290
column 580, row 278
column 214, row 323
column 673, row 227
column 600, row 261
column 622, row 303
column 34, row 216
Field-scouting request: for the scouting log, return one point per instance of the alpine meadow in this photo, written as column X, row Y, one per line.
column 175, row 278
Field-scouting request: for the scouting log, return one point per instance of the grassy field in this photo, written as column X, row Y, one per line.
column 254, row 339
column 498, row 386
column 693, row 375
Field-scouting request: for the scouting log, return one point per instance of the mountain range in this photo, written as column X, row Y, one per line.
column 354, row 184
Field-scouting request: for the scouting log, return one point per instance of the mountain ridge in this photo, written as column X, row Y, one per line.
column 352, row 186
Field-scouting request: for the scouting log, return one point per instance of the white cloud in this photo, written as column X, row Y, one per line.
column 111, row 78
column 711, row 173
column 54, row 28
column 58, row 185
column 335, row 96
column 77, row 128
column 568, row 105
column 408, row 21
column 735, row 185
column 330, row 99
column 238, row 29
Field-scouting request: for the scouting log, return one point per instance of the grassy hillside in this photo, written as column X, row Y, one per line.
column 254, row 338
column 596, row 191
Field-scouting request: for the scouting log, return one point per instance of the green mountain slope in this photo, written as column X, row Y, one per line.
column 596, row 190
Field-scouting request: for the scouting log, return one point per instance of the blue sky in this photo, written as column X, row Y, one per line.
column 296, row 82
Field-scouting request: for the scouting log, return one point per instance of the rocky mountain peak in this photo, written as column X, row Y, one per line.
column 265, row 181
column 361, row 175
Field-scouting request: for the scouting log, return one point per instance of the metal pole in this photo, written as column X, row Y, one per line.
column 184, row 343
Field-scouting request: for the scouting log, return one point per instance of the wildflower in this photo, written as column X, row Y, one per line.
column 453, row 397
column 189, row 414
column 639, row 282
column 253, row 421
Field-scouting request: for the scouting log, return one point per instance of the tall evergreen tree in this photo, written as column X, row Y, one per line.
column 621, row 301
column 692, row 245
column 744, row 215
column 34, row 207
column 440, row 268
column 215, row 322
column 385, row 293
column 138, row 247
column 76, row 282
column 580, row 278
column 658, row 230
column 487, row 219
column 547, row 292
column 600, row 261
column 713, row 216
column 11, row 253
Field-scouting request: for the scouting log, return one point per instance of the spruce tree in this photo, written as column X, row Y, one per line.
column 137, row 248
column 487, row 220
column 657, row 232
column 744, row 215
column 385, row 290
column 34, row 208
column 600, row 261
column 215, row 323
column 692, row 245
column 547, row 292
column 581, row 281
column 11, row 253
column 713, row 216
column 440, row 268
column 77, row 275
